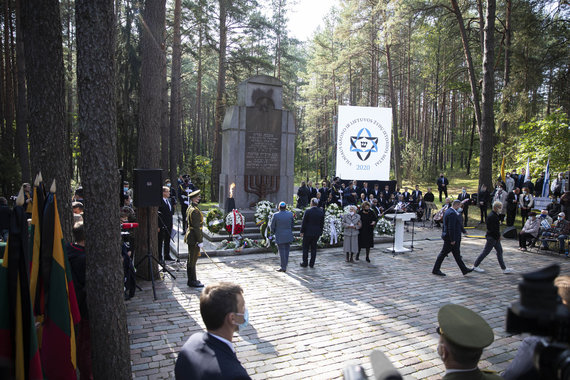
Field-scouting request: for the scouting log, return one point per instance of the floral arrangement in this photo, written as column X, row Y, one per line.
column 263, row 214
column 384, row 227
column 238, row 244
column 332, row 229
column 235, row 222
column 215, row 220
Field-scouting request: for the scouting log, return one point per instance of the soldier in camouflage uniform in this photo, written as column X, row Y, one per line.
column 193, row 238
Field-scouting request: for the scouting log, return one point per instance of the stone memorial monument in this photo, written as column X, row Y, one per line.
column 258, row 146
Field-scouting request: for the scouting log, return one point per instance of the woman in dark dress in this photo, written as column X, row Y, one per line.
column 368, row 219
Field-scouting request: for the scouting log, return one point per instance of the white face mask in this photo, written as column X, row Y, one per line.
column 351, row 213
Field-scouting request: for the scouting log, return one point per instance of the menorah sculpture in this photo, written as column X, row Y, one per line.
column 261, row 185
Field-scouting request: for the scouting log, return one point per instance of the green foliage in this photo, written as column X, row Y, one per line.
column 548, row 137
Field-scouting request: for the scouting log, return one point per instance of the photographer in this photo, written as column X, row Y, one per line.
column 522, row 368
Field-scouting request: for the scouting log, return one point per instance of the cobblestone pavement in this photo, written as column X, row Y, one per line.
column 309, row 323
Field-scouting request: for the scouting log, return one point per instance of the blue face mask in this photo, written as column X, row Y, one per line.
column 459, row 210
column 245, row 322
column 125, row 189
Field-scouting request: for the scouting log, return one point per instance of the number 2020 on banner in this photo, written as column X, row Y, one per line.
column 362, row 167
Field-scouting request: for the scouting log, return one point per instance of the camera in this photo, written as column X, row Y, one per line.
column 541, row 312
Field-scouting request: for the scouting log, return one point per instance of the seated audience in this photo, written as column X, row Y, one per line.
column 560, row 231
column 529, row 231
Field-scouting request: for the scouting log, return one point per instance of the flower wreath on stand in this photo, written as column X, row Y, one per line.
column 384, row 227
column 215, row 220
column 263, row 214
column 332, row 228
column 235, row 222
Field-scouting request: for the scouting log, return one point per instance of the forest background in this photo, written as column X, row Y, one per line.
column 92, row 86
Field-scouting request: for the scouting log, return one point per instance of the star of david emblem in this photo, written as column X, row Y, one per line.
column 363, row 145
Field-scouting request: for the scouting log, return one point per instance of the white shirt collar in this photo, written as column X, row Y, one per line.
column 453, row 370
column 230, row 345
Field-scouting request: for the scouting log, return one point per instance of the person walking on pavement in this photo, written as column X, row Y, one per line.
column 366, row 236
column 194, row 238
column 311, row 230
column 493, row 237
column 351, row 223
column 282, row 227
column 451, row 235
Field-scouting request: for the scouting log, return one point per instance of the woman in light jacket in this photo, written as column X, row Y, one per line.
column 351, row 223
column 529, row 231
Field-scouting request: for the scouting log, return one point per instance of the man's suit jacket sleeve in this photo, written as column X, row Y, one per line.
column 322, row 224
column 304, row 223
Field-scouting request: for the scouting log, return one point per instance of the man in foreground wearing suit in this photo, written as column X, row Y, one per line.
column 451, row 235
column 282, row 227
column 165, row 212
column 210, row 355
column 311, row 230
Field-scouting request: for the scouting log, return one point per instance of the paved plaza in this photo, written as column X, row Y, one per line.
column 310, row 323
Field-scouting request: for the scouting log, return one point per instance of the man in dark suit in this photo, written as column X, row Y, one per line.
column 512, row 206
column 451, row 235
column 210, row 355
column 311, row 230
column 406, row 194
column 465, row 199
column 324, row 190
column 416, row 193
column 365, row 190
column 376, row 191
column 165, row 212
column 312, row 190
column 387, row 192
column 442, row 183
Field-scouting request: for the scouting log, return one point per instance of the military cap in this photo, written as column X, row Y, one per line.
column 464, row 327
column 193, row 194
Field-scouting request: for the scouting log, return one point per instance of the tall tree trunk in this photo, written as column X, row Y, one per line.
column 21, row 104
column 487, row 135
column 198, row 119
column 220, row 102
column 98, row 135
column 8, row 140
column 175, row 93
column 148, row 155
column 394, row 104
column 164, row 122
column 41, row 24
column 469, row 61
column 505, row 104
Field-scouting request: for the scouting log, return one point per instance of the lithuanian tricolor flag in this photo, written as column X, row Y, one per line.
column 18, row 342
column 58, row 351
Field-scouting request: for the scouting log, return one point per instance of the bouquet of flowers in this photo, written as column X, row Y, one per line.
column 238, row 244
column 384, row 227
column 332, row 229
column 235, row 222
column 263, row 214
column 215, row 220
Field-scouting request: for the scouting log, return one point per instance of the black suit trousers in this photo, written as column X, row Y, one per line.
column 455, row 250
column 164, row 244
column 310, row 242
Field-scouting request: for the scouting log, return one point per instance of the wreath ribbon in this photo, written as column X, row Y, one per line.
column 334, row 235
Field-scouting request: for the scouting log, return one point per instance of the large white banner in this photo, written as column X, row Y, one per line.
column 363, row 143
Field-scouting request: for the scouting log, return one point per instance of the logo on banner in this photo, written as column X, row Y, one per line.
column 364, row 146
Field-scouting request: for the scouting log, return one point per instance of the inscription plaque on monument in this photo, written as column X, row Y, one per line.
column 263, row 141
